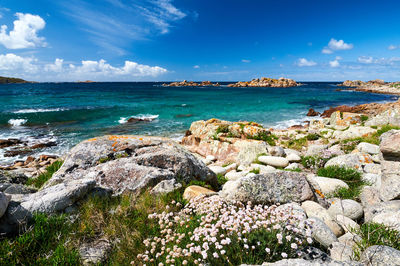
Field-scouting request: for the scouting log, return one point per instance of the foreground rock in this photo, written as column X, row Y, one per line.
column 270, row 188
column 193, row 191
column 266, row 82
column 381, row 255
column 131, row 163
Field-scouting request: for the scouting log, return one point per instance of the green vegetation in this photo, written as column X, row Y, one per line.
column 348, row 145
column 293, row 170
column 45, row 243
column 39, row 181
column 105, row 159
column 350, row 176
column 375, row 234
column 257, row 161
column 221, row 180
column 7, row 80
column 222, row 129
column 255, row 171
column 314, row 162
column 386, row 128
column 267, row 137
column 364, row 118
column 312, row 136
column 296, row 144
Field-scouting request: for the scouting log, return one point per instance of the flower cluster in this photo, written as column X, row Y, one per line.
column 210, row 230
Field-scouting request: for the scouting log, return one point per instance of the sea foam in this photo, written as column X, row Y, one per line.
column 143, row 117
column 17, row 122
column 39, row 110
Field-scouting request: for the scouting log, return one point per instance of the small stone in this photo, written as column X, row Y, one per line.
column 313, row 209
column 234, row 175
column 230, row 167
column 346, row 223
column 373, row 168
column 368, row 148
column 193, row 191
column 321, row 232
column 274, row 161
column 95, row 253
column 276, row 151
column 165, row 187
column 328, row 185
column 264, row 169
column 293, row 157
column 218, row 170
column 292, row 166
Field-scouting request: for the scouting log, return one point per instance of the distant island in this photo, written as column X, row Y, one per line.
column 267, row 82
column 8, row 80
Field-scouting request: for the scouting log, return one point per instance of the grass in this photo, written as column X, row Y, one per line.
column 375, row 234
column 221, row 180
column 293, row 170
column 313, row 162
column 312, row 136
column 350, row 176
column 364, row 118
column 386, row 128
column 45, row 243
column 267, row 137
column 39, row 181
column 222, row 129
column 348, row 145
column 296, row 144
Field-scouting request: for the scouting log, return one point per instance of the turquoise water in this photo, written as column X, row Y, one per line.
column 70, row 112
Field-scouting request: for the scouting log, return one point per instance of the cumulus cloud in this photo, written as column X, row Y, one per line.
column 11, row 63
column 365, row 59
column 336, row 45
column 24, row 33
column 15, row 65
column 392, row 47
column 196, row 66
column 246, row 61
column 334, row 63
column 302, row 62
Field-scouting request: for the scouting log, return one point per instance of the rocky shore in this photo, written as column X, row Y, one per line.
column 313, row 194
column 375, row 86
column 266, row 82
column 186, row 83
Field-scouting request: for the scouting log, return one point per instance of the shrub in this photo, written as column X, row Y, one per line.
column 39, row 181
column 313, row 162
column 255, row 171
column 211, row 231
column 221, row 180
column 296, row 144
column 348, row 145
column 46, row 242
column 222, row 129
column 375, row 234
column 364, row 118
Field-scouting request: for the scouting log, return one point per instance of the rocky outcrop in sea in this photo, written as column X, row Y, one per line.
column 266, row 82
column 186, row 83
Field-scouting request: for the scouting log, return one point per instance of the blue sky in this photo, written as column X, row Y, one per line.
column 166, row 40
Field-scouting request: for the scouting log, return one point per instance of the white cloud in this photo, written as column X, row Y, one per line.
column 24, row 33
column 246, row 61
column 336, row 45
column 18, row 66
column 196, row 66
column 304, row 62
column 393, row 47
column 11, row 63
column 365, row 59
column 334, row 63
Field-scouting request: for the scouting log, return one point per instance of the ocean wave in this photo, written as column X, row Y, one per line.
column 141, row 117
column 284, row 124
column 17, row 122
column 39, row 110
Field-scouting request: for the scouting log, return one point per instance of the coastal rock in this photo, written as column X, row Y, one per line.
column 4, row 200
column 266, row 82
column 234, row 175
column 346, row 223
column 292, row 166
column 193, row 191
column 380, row 255
column 389, row 219
column 346, row 207
column 372, row 179
column 369, row 196
column 274, row 161
column 321, row 232
column 293, row 208
column 390, row 116
column 4, row 143
column 373, row 168
column 341, row 252
column 390, row 145
column 368, row 148
column 186, row 83
column 344, row 119
column 353, row 132
column 131, row 163
column 328, row 185
column 316, row 149
column 270, row 188
column 264, row 169
column 313, row 209
column 95, row 252
column 218, row 170
column 352, row 83
column 292, row 157
column 390, row 180
column 312, row 112
column 276, row 151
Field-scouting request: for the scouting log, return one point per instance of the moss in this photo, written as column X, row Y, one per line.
column 39, row 181
column 255, row 171
column 296, row 144
column 222, row 129
column 386, row 128
column 221, row 180
column 269, row 138
column 105, row 159
column 312, row 136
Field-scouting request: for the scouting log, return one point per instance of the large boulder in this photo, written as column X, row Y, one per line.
column 131, row 163
column 390, row 180
column 48, row 200
column 390, row 145
column 346, row 207
column 368, row 148
column 4, row 200
column 382, row 209
column 352, row 160
column 328, row 185
column 380, row 255
column 269, row 188
column 353, row 132
column 315, row 210
column 390, row 116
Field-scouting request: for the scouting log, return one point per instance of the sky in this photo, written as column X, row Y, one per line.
column 224, row 40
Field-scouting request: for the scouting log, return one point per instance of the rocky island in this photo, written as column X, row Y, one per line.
column 329, row 186
column 266, row 82
column 186, row 83
column 375, row 86
column 8, row 80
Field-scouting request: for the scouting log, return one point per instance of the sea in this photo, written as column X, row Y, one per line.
column 67, row 113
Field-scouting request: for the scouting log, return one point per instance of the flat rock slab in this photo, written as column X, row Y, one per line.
column 131, row 163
